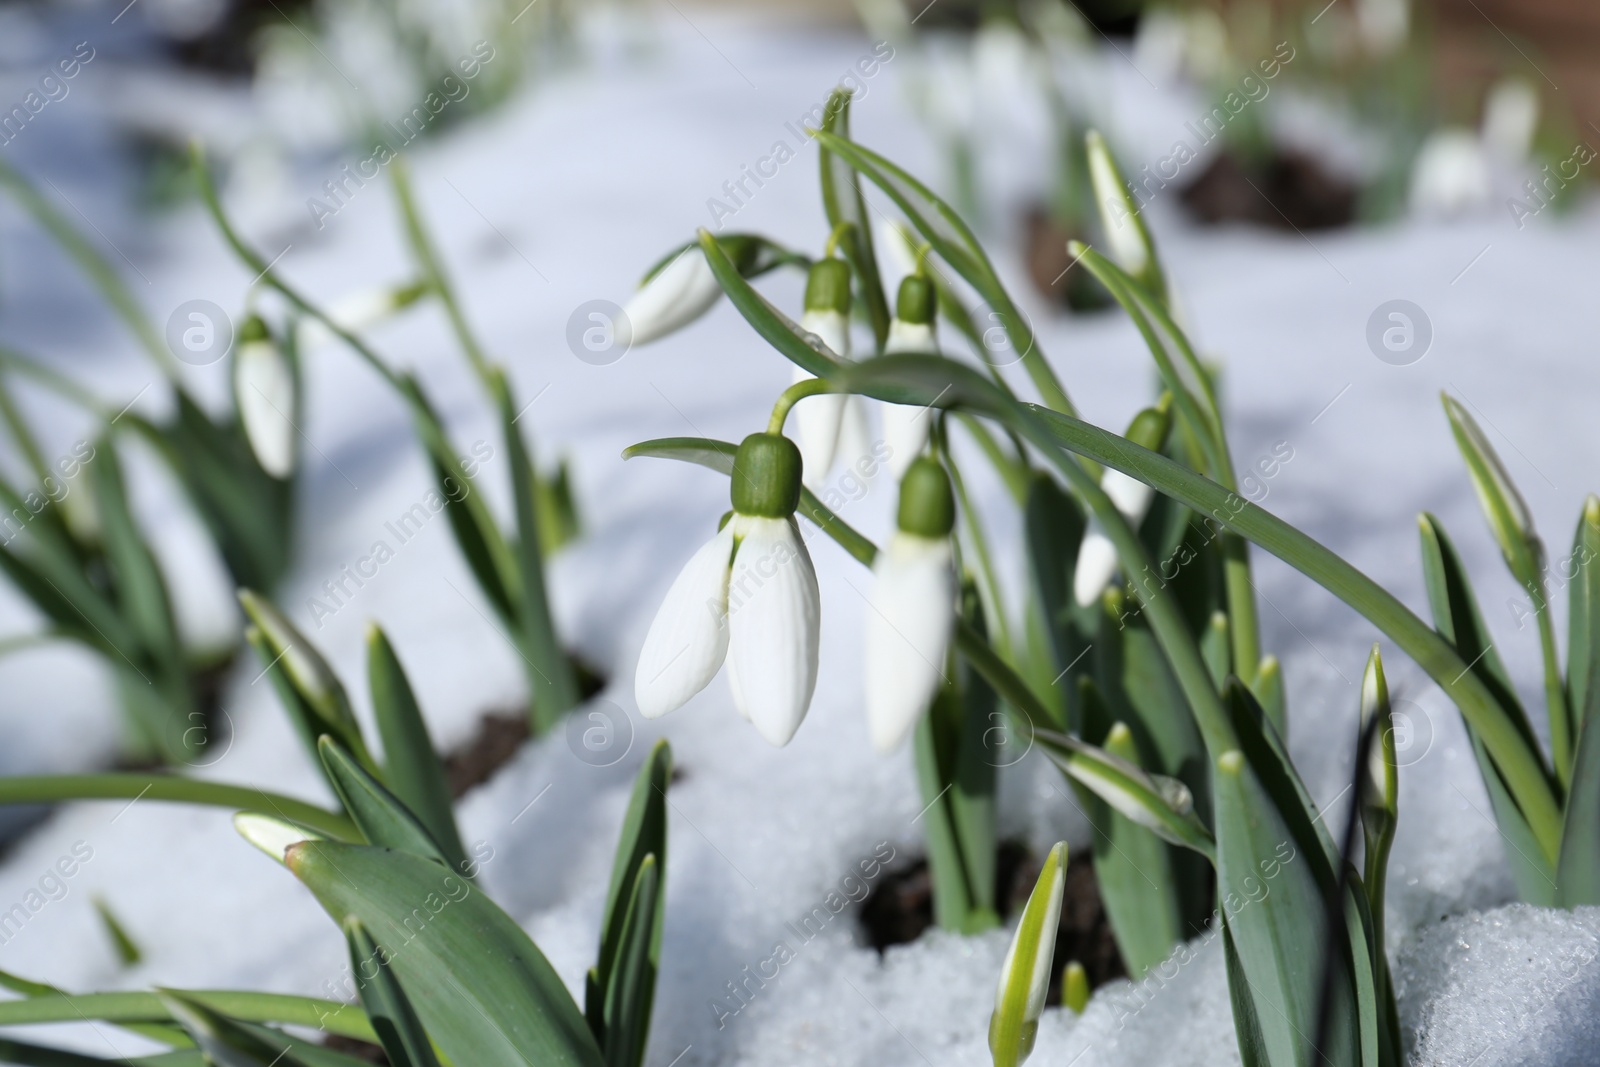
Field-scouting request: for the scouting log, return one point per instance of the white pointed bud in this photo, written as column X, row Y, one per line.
column 357, row 312
column 911, row 615
column 671, row 298
column 264, row 395
column 1121, row 219
column 1025, row 975
column 1497, row 494
column 272, row 836
column 819, row 418
column 1097, row 556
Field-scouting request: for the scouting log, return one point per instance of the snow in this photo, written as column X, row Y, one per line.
column 565, row 196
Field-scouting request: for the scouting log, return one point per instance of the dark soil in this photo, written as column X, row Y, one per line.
column 1051, row 268
column 360, row 1050
column 900, row 908
column 1290, row 191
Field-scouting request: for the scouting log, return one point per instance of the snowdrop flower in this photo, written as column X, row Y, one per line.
column 1025, row 975
column 1451, row 174
column 912, row 607
column 357, row 312
column 905, row 426
column 827, row 315
column 1384, row 25
column 264, row 395
column 1120, row 218
column 671, row 296
column 749, row 596
column 1097, row 556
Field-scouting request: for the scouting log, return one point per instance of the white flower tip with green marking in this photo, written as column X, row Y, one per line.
column 264, row 395
column 273, row 836
column 910, row 616
column 671, row 298
column 1025, row 974
column 1119, row 213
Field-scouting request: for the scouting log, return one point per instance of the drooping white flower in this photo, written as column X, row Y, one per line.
column 671, row 298
column 1510, row 120
column 1097, row 556
column 906, row 426
column 912, row 608
column 818, row 418
column 748, row 597
column 264, row 395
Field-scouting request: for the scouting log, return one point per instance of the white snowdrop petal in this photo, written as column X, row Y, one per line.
column 910, row 615
column 855, row 448
column 773, row 623
column 905, row 427
column 679, row 293
column 818, row 418
column 905, row 433
column 688, row 639
column 1131, row 496
column 263, row 389
column 1097, row 562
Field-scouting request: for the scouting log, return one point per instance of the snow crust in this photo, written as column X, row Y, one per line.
column 566, row 196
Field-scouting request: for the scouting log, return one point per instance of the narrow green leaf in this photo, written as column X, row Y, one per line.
column 630, row 990
column 1269, row 691
column 1458, row 621
column 1133, row 868
column 127, row 948
column 1583, row 626
column 382, row 818
column 1054, row 523
column 1524, row 555
column 1214, row 647
column 50, row 789
column 955, row 243
column 843, row 203
column 312, row 694
column 412, row 768
column 141, row 590
column 1268, row 886
column 123, row 1008
column 552, row 682
column 483, row 546
column 399, row 1030
column 224, row 1042
column 483, row 990
column 1578, row 872
column 952, row 897
column 644, row 834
